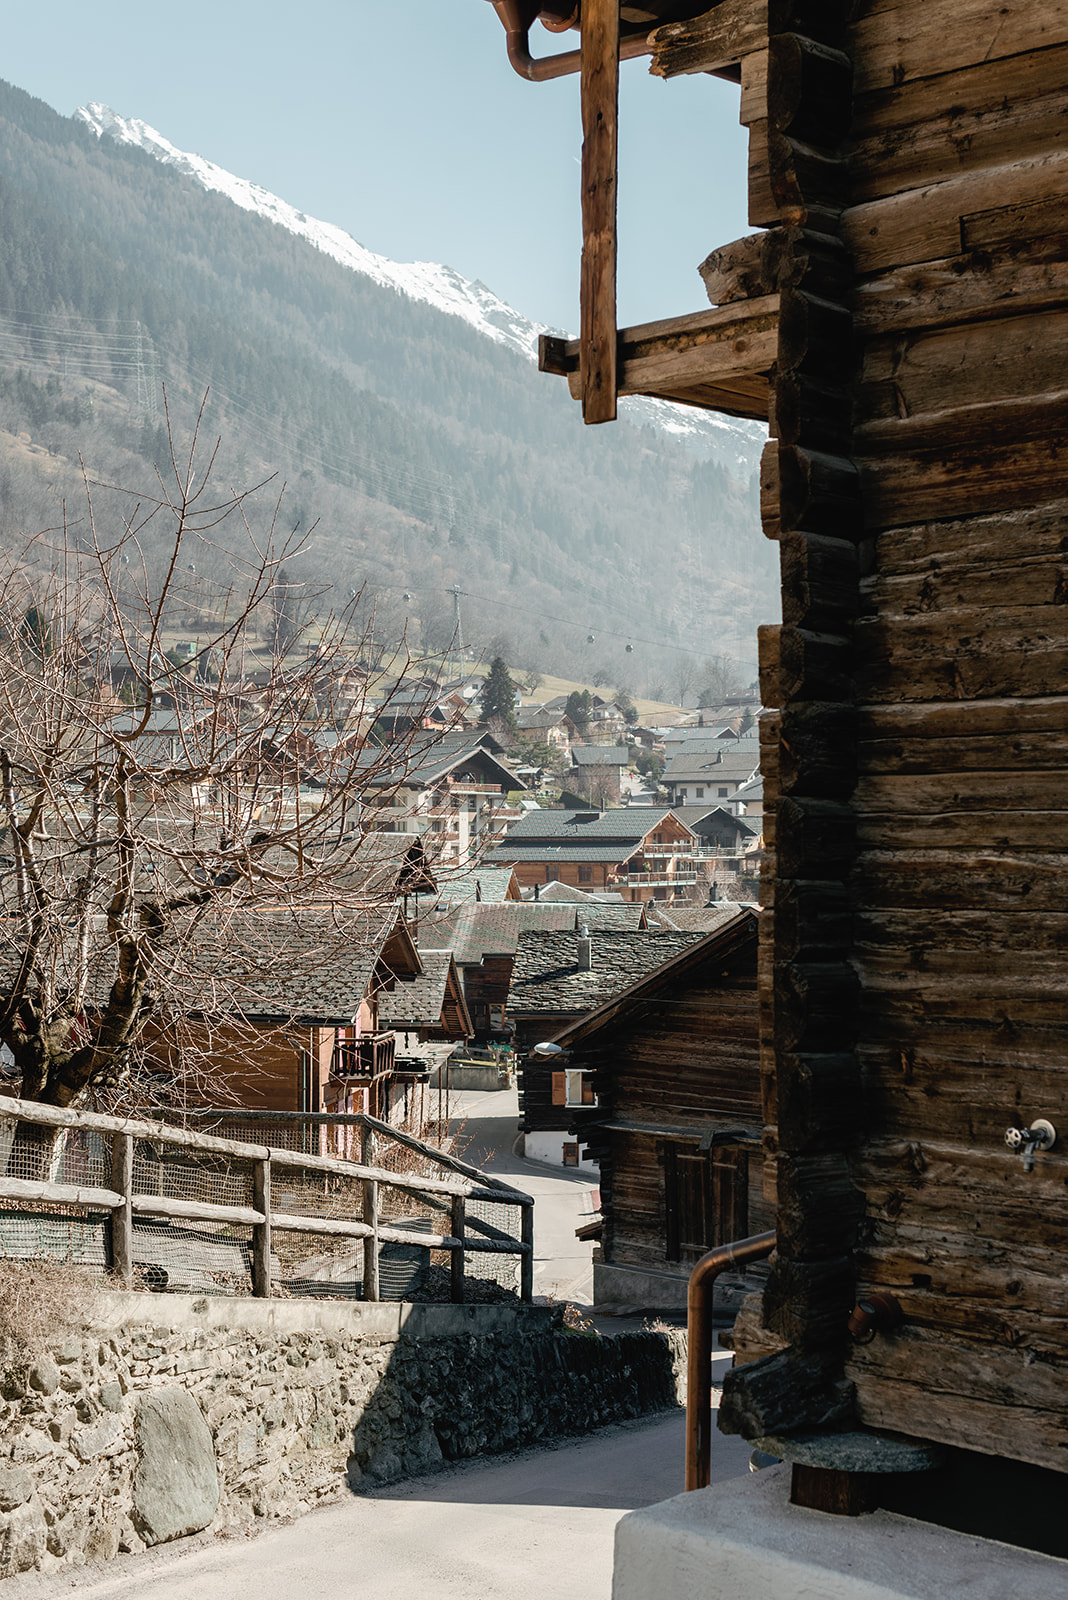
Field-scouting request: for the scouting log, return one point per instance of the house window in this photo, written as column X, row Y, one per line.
column 573, row 1088
column 552, row 874
column 700, row 794
column 706, row 1198
column 585, row 873
column 723, row 793
column 570, row 1152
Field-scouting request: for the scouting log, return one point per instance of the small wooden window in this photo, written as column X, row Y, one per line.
column 559, row 1088
column 585, row 872
column 571, row 1157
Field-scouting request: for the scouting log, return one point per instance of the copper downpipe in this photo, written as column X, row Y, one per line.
column 517, row 17
column 699, row 1333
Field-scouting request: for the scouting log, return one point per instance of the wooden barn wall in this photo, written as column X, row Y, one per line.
column 694, row 1061
column 958, row 233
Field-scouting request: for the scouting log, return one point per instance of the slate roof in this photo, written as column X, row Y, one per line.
column 547, row 980
column 419, row 1002
column 600, row 755
column 569, row 891
column 724, row 766
column 601, row 836
column 696, row 816
column 694, row 919
column 427, row 758
column 459, row 885
column 477, row 930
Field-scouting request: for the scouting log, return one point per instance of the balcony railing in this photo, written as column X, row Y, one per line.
column 370, row 1056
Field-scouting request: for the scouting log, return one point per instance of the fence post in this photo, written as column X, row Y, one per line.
column 457, row 1256
column 370, row 1216
column 122, row 1216
column 261, row 1232
column 526, row 1260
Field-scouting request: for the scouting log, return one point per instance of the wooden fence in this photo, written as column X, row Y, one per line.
column 448, row 1194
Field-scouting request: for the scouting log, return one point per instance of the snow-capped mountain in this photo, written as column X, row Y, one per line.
column 734, row 442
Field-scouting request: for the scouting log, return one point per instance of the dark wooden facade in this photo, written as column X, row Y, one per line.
column 674, row 1068
column 908, row 160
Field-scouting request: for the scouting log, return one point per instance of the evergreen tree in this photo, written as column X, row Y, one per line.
column 498, row 695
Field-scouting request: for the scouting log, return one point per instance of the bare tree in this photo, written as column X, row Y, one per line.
column 683, row 678
column 167, row 821
column 719, row 679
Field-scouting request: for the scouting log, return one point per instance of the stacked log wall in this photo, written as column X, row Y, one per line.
column 958, row 233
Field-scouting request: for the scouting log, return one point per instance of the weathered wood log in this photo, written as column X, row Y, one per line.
column 809, row 90
column 813, row 838
column 819, row 1100
column 161, row 1205
column 819, row 492
column 819, row 580
column 158, row 1132
column 926, row 224
column 964, row 655
column 369, row 1209
column 743, row 270
column 820, row 1207
column 1008, row 879
column 815, row 666
column 808, row 1302
column 961, row 543
column 456, row 1260
column 782, row 1394
column 721, row 38
column 984, row 115
column 1012, row 358
column 600, row 120
column 768, row 655
column 813, row 921
column 753, row 102
column 356, row 1169
column 1017, row 276
column 769, row 492
column 72, row 1194
column 763, row 209
column 122, row 1217
column 815, row 1008
column 817, row 757
column 261, row 1234
column 895, row 45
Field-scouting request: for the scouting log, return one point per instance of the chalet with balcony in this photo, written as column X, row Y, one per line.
column 451, row 789
column 640, row 852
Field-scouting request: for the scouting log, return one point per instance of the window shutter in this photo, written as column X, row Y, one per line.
column 559, row 1088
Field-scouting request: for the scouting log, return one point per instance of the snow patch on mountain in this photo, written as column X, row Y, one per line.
column 734, row 442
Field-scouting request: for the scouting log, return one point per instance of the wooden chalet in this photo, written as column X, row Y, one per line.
column 557, row 979
column 667, row 1079
column 483, row 939
column 640, row 852
column 901, row 323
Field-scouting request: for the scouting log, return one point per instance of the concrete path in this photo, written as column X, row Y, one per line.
column 562, row 1264
column 538, row 1525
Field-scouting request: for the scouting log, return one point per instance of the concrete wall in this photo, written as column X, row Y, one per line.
column 173, row 1413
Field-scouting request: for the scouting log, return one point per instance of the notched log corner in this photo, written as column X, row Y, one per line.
column 784, row 1394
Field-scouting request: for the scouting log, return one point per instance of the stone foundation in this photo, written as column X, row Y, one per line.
column 176, row 1413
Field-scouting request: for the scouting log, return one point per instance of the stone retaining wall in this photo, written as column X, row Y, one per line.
column 175, row 1413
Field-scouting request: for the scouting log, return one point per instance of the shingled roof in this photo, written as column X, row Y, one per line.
column 609, row 836
column 547, row 979
column 421, row 1002
column 477, row 929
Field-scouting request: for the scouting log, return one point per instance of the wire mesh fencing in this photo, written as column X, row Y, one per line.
column 240, row 1202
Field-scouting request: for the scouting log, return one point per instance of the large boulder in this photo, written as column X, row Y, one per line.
column 176, row 1482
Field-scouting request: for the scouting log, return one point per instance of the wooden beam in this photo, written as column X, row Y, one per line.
column 161, row 1205
column 370, row 1217
column 122, row 1216
column 61, row 1193
column 600, row 126
column 723, row 37
column 261, row 1233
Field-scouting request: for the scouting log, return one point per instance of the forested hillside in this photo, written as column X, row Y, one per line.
column 426, row 454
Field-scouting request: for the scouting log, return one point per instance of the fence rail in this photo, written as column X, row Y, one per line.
column 269, row 1190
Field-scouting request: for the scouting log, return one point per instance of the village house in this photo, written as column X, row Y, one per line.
column 664, row 1082
column 452, row 789
column 557, row 979
column 597, row 772
column 643, row 853
column 707, row 769
column 483, row 939
column 545, row 725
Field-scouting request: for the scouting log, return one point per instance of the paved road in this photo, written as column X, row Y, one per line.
column 562, row 1264
column 531, row 1526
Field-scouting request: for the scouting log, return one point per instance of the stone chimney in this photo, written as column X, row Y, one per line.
column 585, row 950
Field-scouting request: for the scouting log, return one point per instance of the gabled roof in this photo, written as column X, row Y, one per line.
column 548, row 981
column 702, row 819
column 599, row 836
column 426, row 759
column 476, row 930
column 724, row 766
column 729, row 939
column 459, row 885
column 600, row 755
column 433, row 1001
column 694, row 919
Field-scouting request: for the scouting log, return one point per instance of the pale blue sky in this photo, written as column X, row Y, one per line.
column 402, row 121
